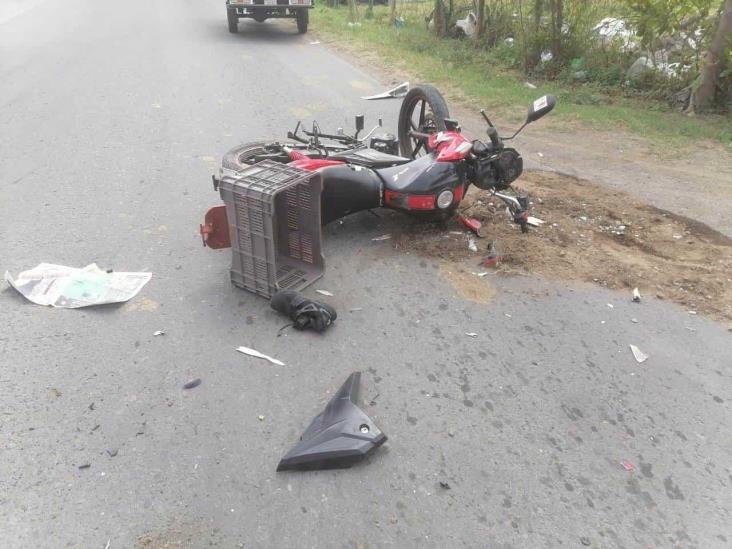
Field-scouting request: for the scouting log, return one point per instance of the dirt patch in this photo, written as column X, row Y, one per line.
column 591, row 234
column 466, row 284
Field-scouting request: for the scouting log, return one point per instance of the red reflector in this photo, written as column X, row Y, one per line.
column 421, row 202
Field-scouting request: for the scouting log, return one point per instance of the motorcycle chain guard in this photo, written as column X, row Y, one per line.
column 340, row 436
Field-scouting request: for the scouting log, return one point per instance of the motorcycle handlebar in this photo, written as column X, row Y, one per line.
column 495, row 140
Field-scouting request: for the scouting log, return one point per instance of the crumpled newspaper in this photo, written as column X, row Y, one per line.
column 71, row 288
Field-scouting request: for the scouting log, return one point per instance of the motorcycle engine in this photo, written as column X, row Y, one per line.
column 385, row 143
column 499, row 173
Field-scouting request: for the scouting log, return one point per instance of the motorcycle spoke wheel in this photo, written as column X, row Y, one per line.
column 423, row 110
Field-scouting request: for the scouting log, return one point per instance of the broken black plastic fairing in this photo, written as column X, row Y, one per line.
column 340, row 436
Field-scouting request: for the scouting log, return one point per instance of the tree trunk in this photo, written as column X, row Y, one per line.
column 480, row 16
column 440, row 18
column 557, row 24
column 392, row 12
column 704, row 93
column 352, row 11
column 534, row 50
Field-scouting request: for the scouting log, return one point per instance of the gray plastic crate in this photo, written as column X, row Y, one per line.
column 274, row 224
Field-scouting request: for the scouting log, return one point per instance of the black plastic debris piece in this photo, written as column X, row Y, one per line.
column 445, row 485
column 84, row 465
column 340, row 436
column 304, row 313
column 112, row 452
column 193, row 383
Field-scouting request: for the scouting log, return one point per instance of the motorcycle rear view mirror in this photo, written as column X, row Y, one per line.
column 540, row 107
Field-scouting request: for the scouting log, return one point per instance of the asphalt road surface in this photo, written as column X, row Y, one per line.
column 112, row 118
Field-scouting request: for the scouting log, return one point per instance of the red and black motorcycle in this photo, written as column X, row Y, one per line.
column 426, row 171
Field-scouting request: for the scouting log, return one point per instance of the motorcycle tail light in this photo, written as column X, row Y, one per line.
column 444, row 199
column 421, row 202
column 409, row 201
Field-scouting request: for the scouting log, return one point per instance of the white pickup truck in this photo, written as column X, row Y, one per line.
column 260, row 10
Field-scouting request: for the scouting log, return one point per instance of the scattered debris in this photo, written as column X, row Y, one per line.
column 534, row 221
column 260, row 418
column 192, row 383
column 692, row 312
column 627, row 465
column 399, row 91
column 91, row 406
column 585, row 541
column 159, row 333
column 108, row 542
column 324, row 292
column 315, row 42
column 471, row 245
column 634, row 320
column 530, row 85
column 340, row 436
column 636, row 295
column 610, row 306
column 493, row 258
column 84, row 465
column 444, row 485
column 72, row 288
column 481, row 275
column 472, row 224
column 382, row 237
column 305, row 313
column 355, row 309
column 257, row 354
column 639, row 355
column 469, row 25
column 471, row 334
column 112, row 452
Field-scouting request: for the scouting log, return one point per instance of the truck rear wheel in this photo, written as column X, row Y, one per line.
column 233, row 21
column 303, row 17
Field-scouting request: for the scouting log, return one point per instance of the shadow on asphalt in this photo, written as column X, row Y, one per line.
column 272, row 31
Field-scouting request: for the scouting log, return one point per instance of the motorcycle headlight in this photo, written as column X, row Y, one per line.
column 444, row 199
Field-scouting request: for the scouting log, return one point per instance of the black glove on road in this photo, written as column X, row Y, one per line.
column 305, row 313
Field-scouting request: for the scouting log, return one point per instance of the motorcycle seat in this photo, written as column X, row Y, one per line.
column 369, row 158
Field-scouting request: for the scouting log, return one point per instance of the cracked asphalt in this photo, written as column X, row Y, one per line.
column 547, row 432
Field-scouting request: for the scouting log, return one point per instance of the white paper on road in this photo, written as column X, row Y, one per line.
column 257, row 354
column 72, row 288
column 639, row 355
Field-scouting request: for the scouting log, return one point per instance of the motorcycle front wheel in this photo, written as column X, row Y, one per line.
column 423, row 110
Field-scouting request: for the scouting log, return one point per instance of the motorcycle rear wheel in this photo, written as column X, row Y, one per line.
column 430, row 108
column 247, row 154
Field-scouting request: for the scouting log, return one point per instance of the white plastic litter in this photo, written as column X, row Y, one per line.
column 257, row 354
column 639, row 355
column 382, row 237
column 399, row 91
column 72, row 288
column 324, row 292
column 159, row 333
column 534, row 221
column 530, row 85
column 636, row 295
column 471, row 334
column 472, row 246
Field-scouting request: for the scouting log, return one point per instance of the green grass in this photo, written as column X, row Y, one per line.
column 483, row 79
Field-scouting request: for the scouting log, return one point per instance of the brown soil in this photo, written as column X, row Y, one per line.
column 592, row 234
